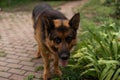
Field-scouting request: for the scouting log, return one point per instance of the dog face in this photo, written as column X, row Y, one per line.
column 62, row 36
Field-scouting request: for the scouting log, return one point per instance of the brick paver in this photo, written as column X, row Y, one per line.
column 16, row 77
column 3, row 78
column 17, row 41
column 3, row 63
column 12, row 61
column 28, row 68
column 12, row 65
column 17, row 71
column 3, row 68
column 5, row 74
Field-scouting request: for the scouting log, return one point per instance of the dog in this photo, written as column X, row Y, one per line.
column 55, row 35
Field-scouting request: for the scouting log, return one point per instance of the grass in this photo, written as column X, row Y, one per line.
column 26, row 5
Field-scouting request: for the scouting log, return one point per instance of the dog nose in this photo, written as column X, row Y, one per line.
column 64, row 56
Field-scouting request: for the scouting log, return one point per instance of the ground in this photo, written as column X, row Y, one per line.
column 18, row 45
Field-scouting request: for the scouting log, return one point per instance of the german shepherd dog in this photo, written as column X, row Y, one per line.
column 55, row 35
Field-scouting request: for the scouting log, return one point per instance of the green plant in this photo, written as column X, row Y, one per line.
column 38, row 68
column 100, row 53
column 29, row 77
column 116, row 4
column 2, row 54
column 116, row 13
column 69, row 73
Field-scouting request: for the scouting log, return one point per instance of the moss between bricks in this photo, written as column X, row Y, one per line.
column 2, row 54
column 38, row 68
column 30, row 77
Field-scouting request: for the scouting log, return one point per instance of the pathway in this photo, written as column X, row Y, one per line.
column 17, row 42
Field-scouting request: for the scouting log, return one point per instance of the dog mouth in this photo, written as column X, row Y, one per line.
column 64, row 62
column 64, row 58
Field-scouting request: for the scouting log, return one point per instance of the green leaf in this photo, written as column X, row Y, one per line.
column 110, row 74
column 118, row 78
column 104, row 72
column 29, row 77
column 88, row 71
column 101, row 61
column 77, row 55
column 116, row 75
column 39, row 68
column 89, row 65
column 115, row 48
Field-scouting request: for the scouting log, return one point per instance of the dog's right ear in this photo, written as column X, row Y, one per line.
column 74, row 22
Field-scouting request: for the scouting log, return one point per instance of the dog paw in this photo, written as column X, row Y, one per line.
column 37, row 55
column 46, row 76
column 58, row 72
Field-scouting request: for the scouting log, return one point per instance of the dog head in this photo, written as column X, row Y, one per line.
column 62, row 36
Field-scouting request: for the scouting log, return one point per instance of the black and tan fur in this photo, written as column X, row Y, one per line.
column 55, row 35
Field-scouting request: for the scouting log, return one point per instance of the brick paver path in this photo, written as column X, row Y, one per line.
column 17, row 41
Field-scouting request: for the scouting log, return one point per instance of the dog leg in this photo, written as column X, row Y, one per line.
column 46, row 74
column 37, row 55
column 56, row 65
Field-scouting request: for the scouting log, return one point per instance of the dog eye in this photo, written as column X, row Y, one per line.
column 69, row 39
column 57, row 40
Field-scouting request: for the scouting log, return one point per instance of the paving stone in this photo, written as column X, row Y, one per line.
column 3, row 68
column 2, row 58
column 38, row 61
column 22, row 54
column 17, row 71
column 24, row 58
column 20, row 51
column 3, row 78
column 28, row 68
column 12, row 56
column 8, row 48
column 17, row 77
column 37, row 79
column 10, row 52
column 3, row 63
column 5, row 74
column 29, row 73
column 27, row 63
column 13, row 60
column 14, row 65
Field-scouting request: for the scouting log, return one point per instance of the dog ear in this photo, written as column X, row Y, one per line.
column 49, row 25
column 74, row 21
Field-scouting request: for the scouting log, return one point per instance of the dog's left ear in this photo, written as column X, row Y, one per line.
column 74, row 21
column 49, row 25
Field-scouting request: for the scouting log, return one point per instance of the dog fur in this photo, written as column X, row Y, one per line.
column 55, row 35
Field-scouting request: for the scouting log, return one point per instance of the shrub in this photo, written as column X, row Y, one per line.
column 99, row 56
column 115, row 4
column 117, row 9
